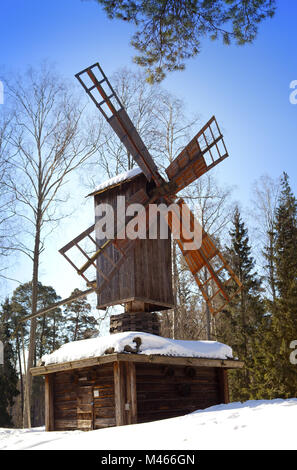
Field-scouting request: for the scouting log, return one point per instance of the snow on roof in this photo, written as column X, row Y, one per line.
column 150, row 344
column 127, row 175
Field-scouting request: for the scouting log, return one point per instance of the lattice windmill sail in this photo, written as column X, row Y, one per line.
column 214, row 277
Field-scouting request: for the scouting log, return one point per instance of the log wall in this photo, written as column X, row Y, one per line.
column 84, row 398
column 169, row 391
column 126, row 392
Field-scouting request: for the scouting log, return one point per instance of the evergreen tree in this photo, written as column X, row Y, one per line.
column 239, row 323
column 280, row 376
column 169, row 32
column 80, row 322
column 50, row 327
column 49, row 336
column 8, row 373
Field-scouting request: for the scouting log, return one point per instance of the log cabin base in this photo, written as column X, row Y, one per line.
column 121, row 389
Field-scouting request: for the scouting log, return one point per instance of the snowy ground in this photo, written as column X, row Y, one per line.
column 251, row 425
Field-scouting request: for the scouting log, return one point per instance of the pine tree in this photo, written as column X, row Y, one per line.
column 280, row 375
column 238, row 324
column 8, row 373
column 80, row 322
column 49, row 336
column 50, row 327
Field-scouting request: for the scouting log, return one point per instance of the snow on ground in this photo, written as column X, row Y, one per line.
column 150, row 344
column 260, row 424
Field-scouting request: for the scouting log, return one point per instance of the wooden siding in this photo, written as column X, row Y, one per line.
column 169, row 391
column 84, row 398
column 127, row 392
column 146, row 273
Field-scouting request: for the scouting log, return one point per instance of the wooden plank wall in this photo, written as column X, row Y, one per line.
column 146, row 274
column 169, row 391
column 122, row 393
column 73, row 395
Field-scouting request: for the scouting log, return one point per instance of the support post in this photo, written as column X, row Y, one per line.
column 49, row 403
column 223, row 385
column 131, row 397
column 119, row 392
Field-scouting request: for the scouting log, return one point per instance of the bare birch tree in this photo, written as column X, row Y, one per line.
column 6, row 199
column 48, row 142
column 265, row 199
column 214, row 209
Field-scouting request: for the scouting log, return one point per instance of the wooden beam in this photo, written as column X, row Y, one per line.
column 223, row 385
column 119, row 393
column 153, row 359
column 131, row 396
column 58, row 304
column 49, row 403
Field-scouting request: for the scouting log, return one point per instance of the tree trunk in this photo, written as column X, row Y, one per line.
column 21, row 372
column 32, row 345
column 175, row 282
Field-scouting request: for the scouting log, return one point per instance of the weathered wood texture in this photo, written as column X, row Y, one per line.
column 151, row 359
column 127, row 392
column 84, row 398
column 146, row 273
column 49, row 403
column 147, row 322
column 223, row 385
column 169, row 391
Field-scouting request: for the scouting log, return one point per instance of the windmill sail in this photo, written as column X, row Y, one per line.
column 205, row 151
column 108, row 103
column 214, row 277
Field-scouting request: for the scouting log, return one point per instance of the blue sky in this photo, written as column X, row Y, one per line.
column 247, row 88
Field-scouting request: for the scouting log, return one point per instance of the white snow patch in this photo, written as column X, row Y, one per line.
column 150, row 344
column 127, row 175
column 257, row 424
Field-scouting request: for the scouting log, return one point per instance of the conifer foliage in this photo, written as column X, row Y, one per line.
column 238, row 325
column 280, row 374
column 169, row 32
column 8, row 372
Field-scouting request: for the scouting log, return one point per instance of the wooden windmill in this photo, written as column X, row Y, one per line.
column 114, row 389
column 122, row 264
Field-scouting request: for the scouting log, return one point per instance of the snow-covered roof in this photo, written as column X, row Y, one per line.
column 126, row 176
column 150, row 345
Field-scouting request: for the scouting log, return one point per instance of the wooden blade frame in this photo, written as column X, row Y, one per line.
column 221, row 283
column 108, row 103
column 205, row 151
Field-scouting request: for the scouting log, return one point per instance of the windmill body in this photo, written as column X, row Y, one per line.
column 143, row 283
